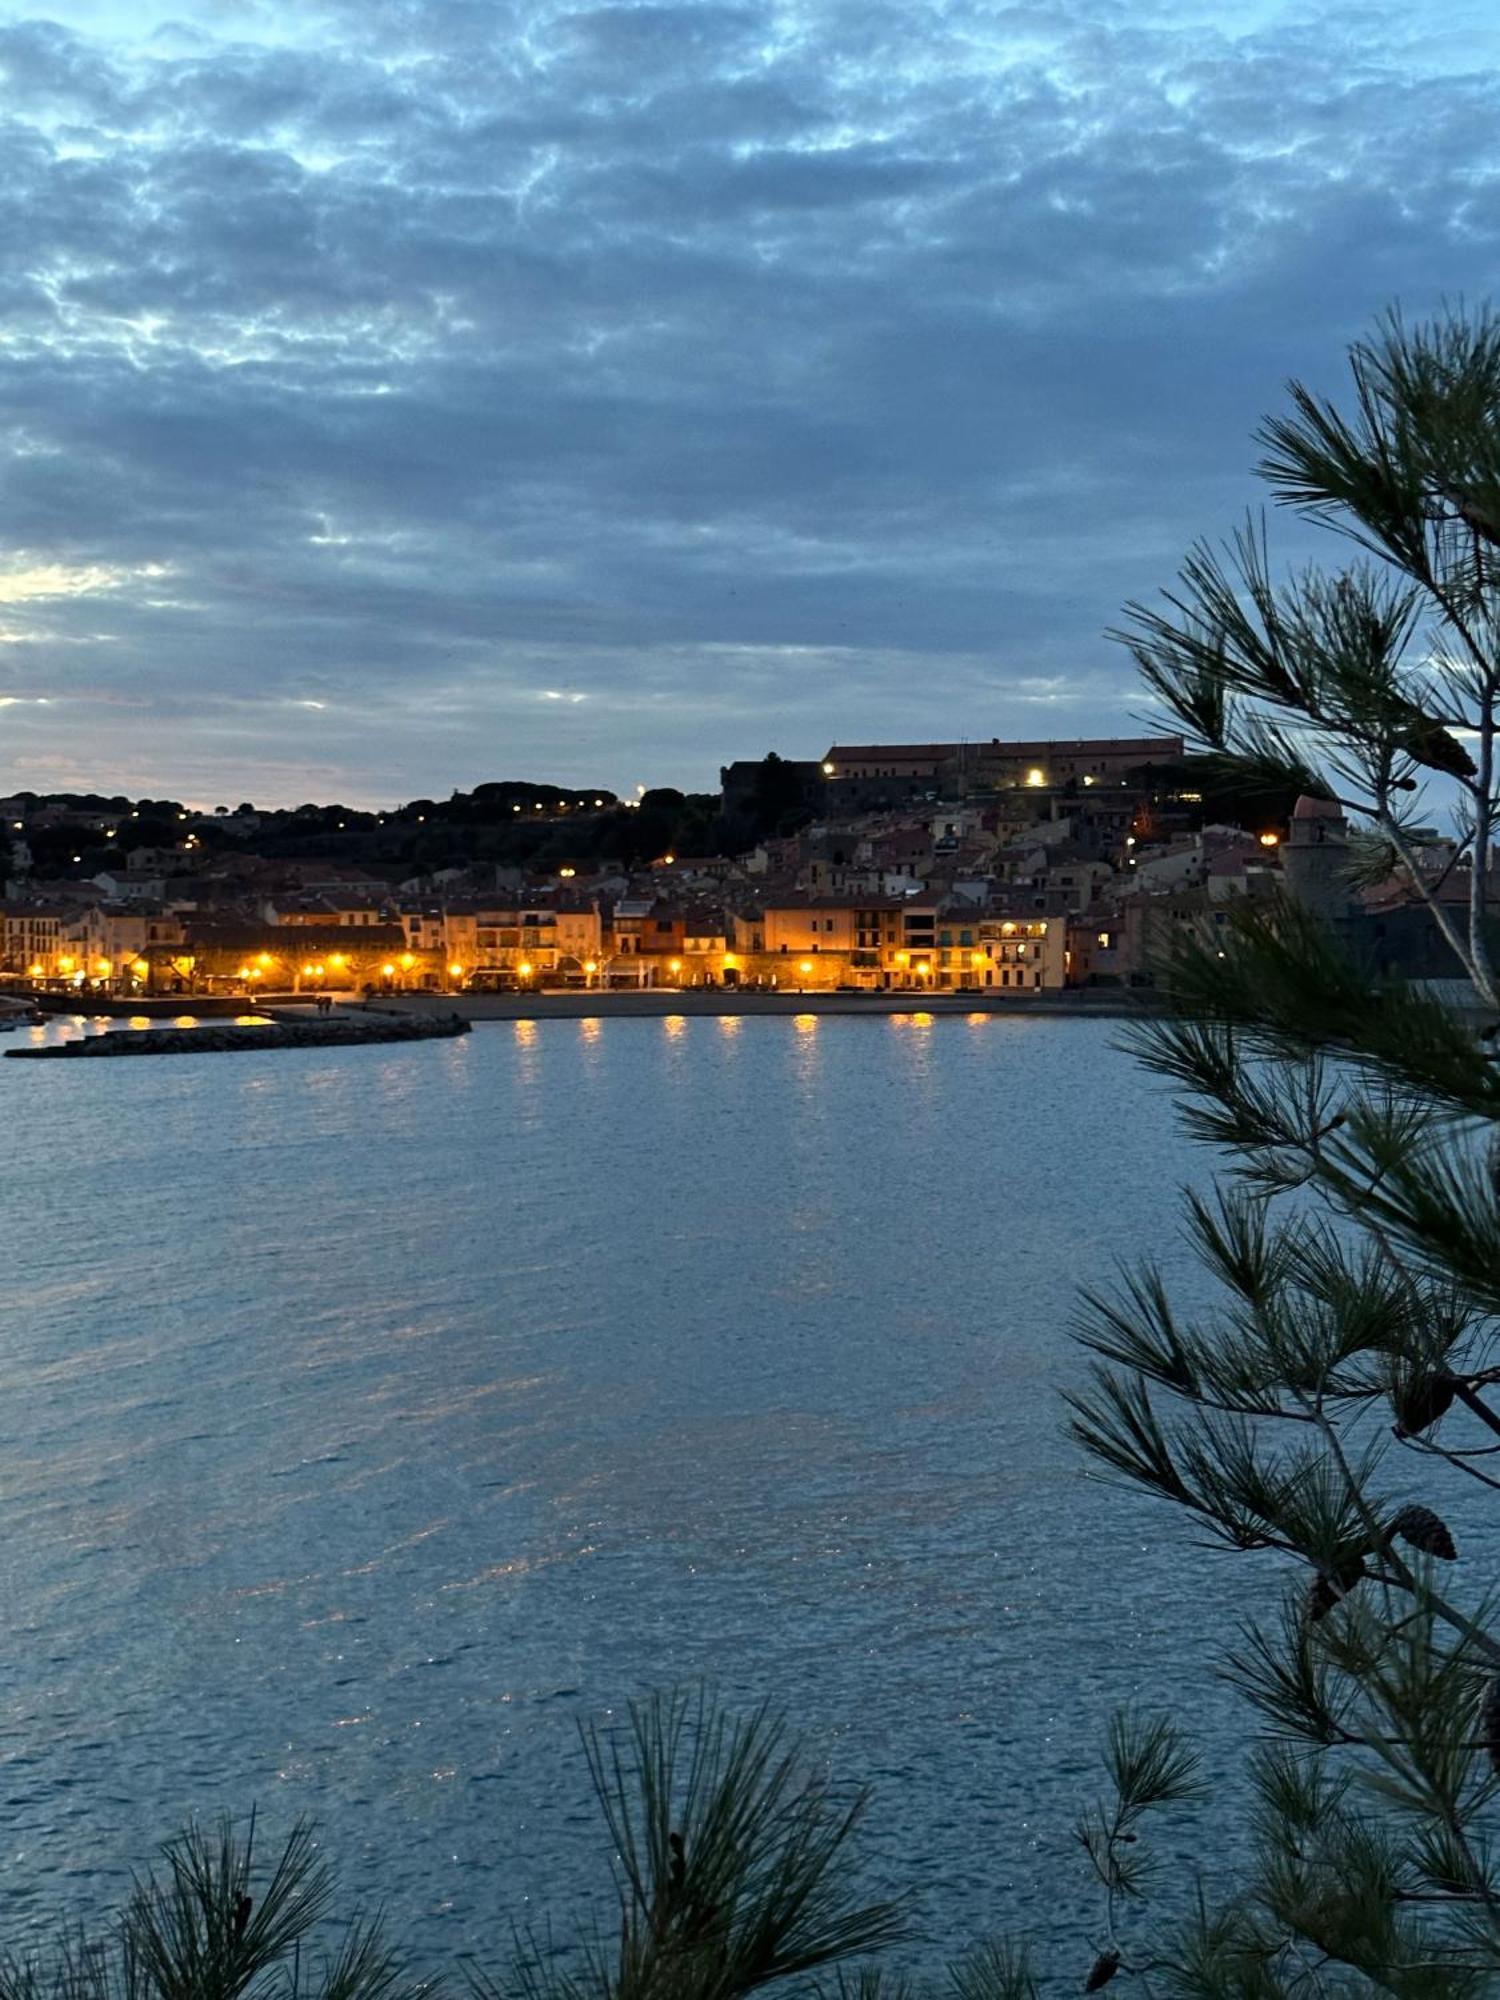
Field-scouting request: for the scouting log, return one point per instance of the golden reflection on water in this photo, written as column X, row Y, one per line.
column 675, row 1025
column 921, row 1020
column 804, row 1023
column 525, row 1033
column 729, row 1024
column 978, row 1020
column 590, row 1028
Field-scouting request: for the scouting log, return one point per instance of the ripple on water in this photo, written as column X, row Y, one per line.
column 369, row 1420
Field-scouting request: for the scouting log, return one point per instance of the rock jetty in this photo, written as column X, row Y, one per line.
column 226, row 1038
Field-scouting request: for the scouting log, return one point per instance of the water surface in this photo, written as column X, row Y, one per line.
column 368, row 1417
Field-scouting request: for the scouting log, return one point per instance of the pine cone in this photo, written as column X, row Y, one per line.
column 1489, row 1722
column 1419, row 1403
column 1102, row 1971
column 1422, row 1528
column 1427, row 742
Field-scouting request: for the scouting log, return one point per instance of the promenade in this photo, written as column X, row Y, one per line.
column 660, row 1003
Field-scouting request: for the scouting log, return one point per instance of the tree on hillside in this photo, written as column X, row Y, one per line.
column 1337, row 1413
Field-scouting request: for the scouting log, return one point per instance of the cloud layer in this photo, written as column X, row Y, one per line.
column 401, row 393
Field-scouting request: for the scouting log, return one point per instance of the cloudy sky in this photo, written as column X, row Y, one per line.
column 397, row 394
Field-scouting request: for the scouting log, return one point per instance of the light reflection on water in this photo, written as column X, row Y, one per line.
column 369, row 1416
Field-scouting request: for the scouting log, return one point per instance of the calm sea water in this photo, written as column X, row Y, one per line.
column 368, row 1418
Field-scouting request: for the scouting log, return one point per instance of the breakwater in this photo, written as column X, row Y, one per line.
column 337, row 1032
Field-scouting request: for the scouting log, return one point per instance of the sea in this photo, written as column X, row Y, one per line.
column 374, row 1419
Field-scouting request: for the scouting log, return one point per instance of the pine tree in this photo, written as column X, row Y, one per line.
column 1344, row 1388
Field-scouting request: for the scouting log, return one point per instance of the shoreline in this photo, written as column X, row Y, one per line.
column 661, row 1003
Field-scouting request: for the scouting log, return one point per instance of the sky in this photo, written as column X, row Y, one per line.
column 399, row 394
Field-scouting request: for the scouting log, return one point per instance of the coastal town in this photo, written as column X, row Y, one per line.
column 1010, row 869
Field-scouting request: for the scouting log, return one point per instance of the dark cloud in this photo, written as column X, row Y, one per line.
column 759, row 374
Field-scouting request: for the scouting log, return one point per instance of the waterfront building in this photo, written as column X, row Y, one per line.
column 227, row 954
column 579, row 941
column 33, row 939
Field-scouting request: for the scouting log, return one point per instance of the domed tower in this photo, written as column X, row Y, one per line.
column 1315, row 857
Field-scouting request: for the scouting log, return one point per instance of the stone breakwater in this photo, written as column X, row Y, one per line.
column 231, row 1039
